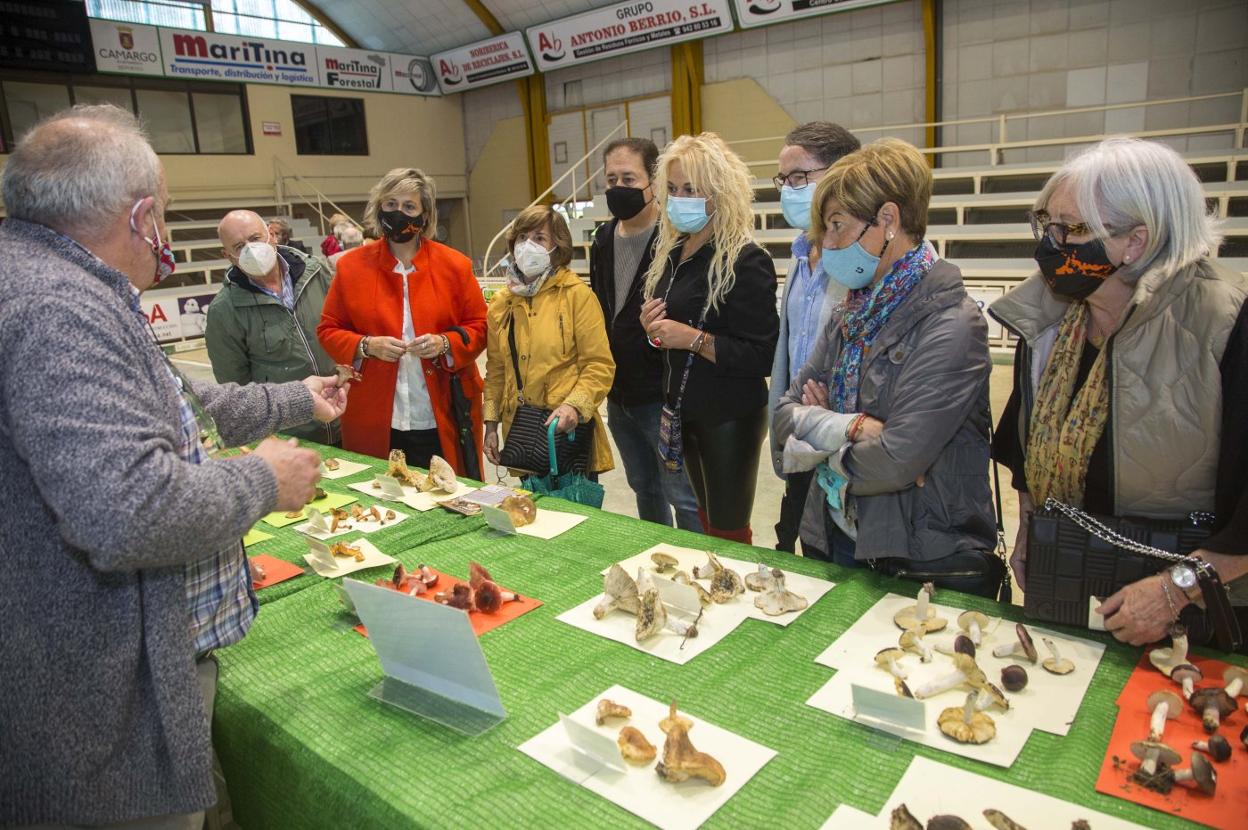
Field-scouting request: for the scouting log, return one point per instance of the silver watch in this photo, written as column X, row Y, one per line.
column 1184, row 578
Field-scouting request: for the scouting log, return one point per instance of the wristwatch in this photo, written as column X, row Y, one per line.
column 1184, row 578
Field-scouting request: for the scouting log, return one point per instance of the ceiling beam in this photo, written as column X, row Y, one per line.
column 485, row 16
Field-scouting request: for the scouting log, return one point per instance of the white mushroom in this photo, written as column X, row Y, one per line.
column 973, row 623
column 912, row 640
column 965, row 672
column 1165, row 660
column 921, row 613
column 1055, row 663
column 1023, row 646
column 778, row 599
column 760, row 580
column 652, row 614
column 619, row 591
column 887, row 659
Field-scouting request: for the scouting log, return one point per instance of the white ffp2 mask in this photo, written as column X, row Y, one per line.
column 257, row 259
column 531, row 258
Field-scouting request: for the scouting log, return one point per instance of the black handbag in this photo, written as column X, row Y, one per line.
column 1073, row 556
column 526, row 444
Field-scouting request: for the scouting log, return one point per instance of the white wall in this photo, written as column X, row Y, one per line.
column 1017, row 56
column 861, row 68
column 613, row 79
column 483, row 108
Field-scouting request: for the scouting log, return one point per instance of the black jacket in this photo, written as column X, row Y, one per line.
column 745, row 327
column 638, row 366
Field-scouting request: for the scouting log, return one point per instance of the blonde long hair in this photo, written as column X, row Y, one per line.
column 713, row 169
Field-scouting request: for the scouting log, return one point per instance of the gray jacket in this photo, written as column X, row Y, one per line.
column 926, row 377
column 101, row 718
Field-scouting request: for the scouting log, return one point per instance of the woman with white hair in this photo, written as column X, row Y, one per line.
column 711, row 306
column 1131, row 373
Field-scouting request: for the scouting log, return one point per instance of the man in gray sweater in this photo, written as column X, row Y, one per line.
column 111, row 494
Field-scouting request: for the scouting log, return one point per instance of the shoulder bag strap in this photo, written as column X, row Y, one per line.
column 515, row 360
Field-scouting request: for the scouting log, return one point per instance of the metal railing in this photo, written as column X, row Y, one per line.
column 996, row 149
column 487, row 269
column 282, row 176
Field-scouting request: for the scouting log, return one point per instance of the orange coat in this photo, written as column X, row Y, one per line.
column 366, row 298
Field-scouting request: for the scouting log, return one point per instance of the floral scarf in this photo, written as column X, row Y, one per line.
column 1065, row 425
column 521, row 286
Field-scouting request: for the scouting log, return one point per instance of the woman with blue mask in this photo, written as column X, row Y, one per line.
column 711, row 307
column 891, row 410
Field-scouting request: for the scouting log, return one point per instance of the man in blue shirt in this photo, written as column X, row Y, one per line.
column 809, row 296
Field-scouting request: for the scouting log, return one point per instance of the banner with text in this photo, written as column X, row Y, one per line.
column 485, row 62
column 209, row 56
column 765, row 12
column 126, row 47
column 624, row 28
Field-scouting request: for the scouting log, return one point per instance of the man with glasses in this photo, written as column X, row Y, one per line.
column 809, row 150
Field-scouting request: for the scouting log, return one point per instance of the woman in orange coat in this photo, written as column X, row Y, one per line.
column 407, row 311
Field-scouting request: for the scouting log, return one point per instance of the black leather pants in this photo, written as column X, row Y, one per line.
column 722, row 462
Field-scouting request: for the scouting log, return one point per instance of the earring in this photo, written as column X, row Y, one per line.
column 890, row 236
column 1126, row 260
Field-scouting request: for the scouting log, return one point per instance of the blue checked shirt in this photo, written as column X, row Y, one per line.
column 218, row 589
column 805, row 304
column 287, row 297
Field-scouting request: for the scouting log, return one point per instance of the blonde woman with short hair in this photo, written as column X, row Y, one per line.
column 711, row 307
column 408, row 312
column 891, row 410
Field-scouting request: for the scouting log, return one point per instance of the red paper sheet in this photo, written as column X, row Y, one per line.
column 1228, row 808
column 481, row 622
column 275, row 571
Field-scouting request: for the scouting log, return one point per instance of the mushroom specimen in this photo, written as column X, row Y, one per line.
column 634, row 747
column 399, row 471
column 1213, row 704
column 674, row 718
column 663, row 562
column 947, row 822
column 427, row 575
column 887, row 659
column 989, row 695
column 961, row 645
column 1243, row 738
column 1001, row 821
column 778, row 599
column 1021, row 647
column 1165, row 660
column 902, row 689
column 759, row 580
column 973, row 623
column 725, row 582
column 652, row 618
column 681, row 761
column 619, row 591
column 903, row 819
column 1150, row 754
column 343, row 549
column 1163, row 706
column 921, row 613
column 1055, row 663
column 608, row 708
column 257, row 571
column 965, row 672
column 1014, row 678
column 911, row 640
column 520, row 509
column 1235, row 677
column 708, row 570
column 345, row 374
column 1201, row 773
column 460, row 596
column 965, row 725
column 1187, row 676
column 1216, row 746
column 441, row 476
column 682, row 577
column 331, row 464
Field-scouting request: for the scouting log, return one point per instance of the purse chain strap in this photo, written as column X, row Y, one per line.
column 1107, row 534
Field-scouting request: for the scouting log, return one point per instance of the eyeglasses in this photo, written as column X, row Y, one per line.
column 796, row 180
column 1056, row 231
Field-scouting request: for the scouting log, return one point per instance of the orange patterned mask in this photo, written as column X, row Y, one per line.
column 1074, row 271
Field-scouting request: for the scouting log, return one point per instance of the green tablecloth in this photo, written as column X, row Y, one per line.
column 303, row 746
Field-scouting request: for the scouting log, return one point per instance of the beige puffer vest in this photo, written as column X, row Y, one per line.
column 1165, row 381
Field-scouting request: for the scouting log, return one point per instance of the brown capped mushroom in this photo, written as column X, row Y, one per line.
column 902, row 689
column 663, row 562
column 726, row 584
column 1201, row 773
column 1213, row 704
column 1243, row 738
column 1021, row 647
column 1163, row 706
column 887, row 659
column 973, row 623
column 619, row 592
column 610, row 709
column 965, row 725
column 965, row 672
column 947, row 822
column 1014, row 678
column 674, row 718
column 921, row 613
column 520, row 509
column 1234, row 678
column 911, row 640
column 903, row 819
column 1150, row 754
column 1187, row 676
column 1219, row 748
column 681, row 761
column 1000, row 821
column 1055, row 663
column 960, row 644
column 345, row 374
column 652, row 617
column 634, row 747
column 777, row 599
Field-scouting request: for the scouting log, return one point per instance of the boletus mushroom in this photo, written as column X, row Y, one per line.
column 681, row 761
column 921, row 613
column 1162, row 706
column 608, row 708
column 619, row 592
column 1201, row 774
column 634, row 747
column 1021, row 647
column 1213, row 704
column 1219, row 748
column 965, row 725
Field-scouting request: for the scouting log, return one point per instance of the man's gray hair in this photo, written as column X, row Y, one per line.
column 1122, row 183
column 78, row 165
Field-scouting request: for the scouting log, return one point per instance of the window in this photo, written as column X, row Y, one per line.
column 178, row 14
column 278, row 19
column 179, row 116
column 329, row 126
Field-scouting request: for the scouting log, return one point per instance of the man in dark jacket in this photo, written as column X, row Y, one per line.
column 262, row 323
column 617, row 264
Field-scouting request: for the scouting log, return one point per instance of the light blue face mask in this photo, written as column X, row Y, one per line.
column 795, row 204
column 687, row 213
column 851, row 266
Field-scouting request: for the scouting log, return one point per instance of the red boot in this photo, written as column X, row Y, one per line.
column 705, row 519
column 743, row 535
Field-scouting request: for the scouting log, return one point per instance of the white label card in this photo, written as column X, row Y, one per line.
column 594, row 745
column 871, row 707
column 498, row 519
column 319, row 551
column 316, row 519
column 677, row 595
column 390, row 487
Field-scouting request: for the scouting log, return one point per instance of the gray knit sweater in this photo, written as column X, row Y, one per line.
column 101, row 719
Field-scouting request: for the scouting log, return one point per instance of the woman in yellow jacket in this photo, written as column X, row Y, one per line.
column 564, row 356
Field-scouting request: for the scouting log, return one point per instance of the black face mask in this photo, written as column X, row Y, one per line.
column 1074, row 271
column 399, row 227
column 626, row 202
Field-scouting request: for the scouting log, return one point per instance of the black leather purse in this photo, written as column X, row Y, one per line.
column 1073, row 556
column 526, row 444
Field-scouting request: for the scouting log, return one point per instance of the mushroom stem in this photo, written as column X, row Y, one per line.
column 1189, row 686
column 1235, row 687
column 1157, row 724
column 1052, row 647
column 975, row 634
column 921, row 603
column 896, row 670
column 1014, row 649
column 941, row 684
column 969, row 708
column 1149, row 765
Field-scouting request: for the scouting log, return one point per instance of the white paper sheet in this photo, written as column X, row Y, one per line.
column 1049, row 703
column 413, row 498
column 345, row 468
column 683, row 806
column 929, row 788
column 343, row 565
column 320, row 530
column 547, row 524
